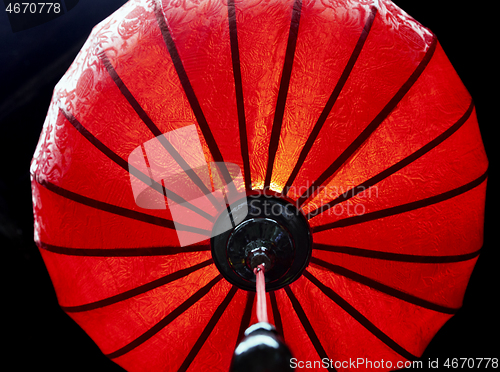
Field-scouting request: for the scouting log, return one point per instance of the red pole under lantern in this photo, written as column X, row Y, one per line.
column 190, row 142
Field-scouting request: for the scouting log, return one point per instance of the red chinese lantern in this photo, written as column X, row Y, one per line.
column 345, row 116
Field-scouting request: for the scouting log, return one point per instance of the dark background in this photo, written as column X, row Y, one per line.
column 40, row 335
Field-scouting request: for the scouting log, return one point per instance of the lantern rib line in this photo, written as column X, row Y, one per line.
column 166, row 320
column 393, row 292
column 276, row 314
column 246, row 317
column 191, row 96
column 398, row 257
column 208, row 330
column 360, row 318
column 286, row 75
column 333, row 98
column 396, row 167
column 349, row 221
column 156, row 131
column 238, row 86
column 120, row 211
column 122, row 252
column 172, row 277
column 307, row 326
column 374, row 124
column 131, row 169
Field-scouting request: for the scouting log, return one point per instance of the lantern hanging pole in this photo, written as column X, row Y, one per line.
column 261, row 293
column 262, row 348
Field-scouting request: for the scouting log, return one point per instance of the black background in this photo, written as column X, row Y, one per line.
column 40, row 335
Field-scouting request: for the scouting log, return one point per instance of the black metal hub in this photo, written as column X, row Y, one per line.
column 274, row 233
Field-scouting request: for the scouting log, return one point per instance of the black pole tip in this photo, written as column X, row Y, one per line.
column 262, row 349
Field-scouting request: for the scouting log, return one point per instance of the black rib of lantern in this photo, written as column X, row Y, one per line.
column 129, row 213
column 283, row 89
column 349, row 221
column 238, row 87
column 307, row 326
column 122, row 252
column 155, row 131
column 208, row 329
column 396, row 167
column 131, row 169
column 246, row 317
column 331, row 101
column 276, row 314
column 166, row 320
column 137, row 290
column 365, row 134
column 383, row 288
column 360, row 318
column 398, row 257
column 191, row 96
column 229, row 211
